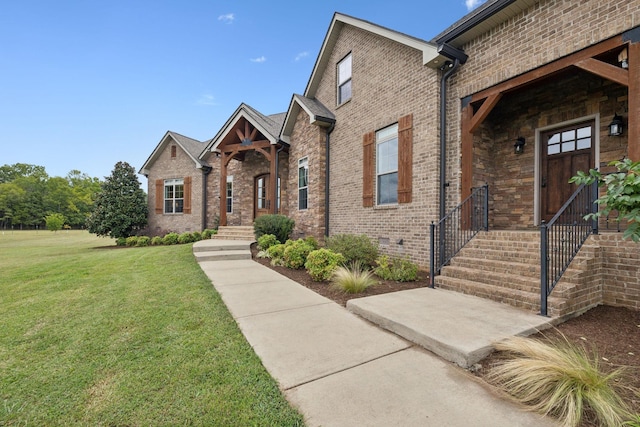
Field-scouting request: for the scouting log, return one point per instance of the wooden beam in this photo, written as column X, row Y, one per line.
column 484, row 111
column 223, row 189
column 253, row 134
column 604, row 70
column 466, row 160
column 549, row 69
column 240, row 135
column 634, row 103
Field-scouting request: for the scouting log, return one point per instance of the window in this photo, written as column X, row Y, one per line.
column 344, row 80
column 387, row 165
column 569, row 140
column 303, row 183
column 230, row 194
column 173, row 196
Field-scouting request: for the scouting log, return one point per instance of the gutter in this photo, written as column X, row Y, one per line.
column 206, row 170
column 277, row 160
column 327, row 178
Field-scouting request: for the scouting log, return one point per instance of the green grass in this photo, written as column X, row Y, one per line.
column 560, row 379
column 97, row 335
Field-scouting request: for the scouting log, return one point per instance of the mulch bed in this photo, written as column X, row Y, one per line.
column 610, row 333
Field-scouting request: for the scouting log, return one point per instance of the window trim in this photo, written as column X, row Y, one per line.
column 341, row 83
column 173, row 183
column 303, row 163
column 379, row 140
column 229, row 198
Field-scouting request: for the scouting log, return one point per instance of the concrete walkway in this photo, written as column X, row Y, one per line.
column 341, row 370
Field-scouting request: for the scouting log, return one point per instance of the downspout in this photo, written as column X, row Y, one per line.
column 327, row 179
column 443, row 132
column 206, row 170
column 277, row 160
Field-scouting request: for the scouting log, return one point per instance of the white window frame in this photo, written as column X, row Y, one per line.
column 172, row 204
column 303, row 164
column 385, row 164
column 344, row 72
column 229, row 194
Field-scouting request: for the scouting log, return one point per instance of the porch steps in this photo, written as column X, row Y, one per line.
column 221, row 250
column 504, row 266
column 235, row 232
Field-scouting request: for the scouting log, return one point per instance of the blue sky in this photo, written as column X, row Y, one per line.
column 87, row 83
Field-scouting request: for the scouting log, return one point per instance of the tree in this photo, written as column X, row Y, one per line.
column 120, row 207
column 54, row 221
column 623, row 194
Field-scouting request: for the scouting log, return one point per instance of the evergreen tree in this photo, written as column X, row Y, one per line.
column 120, row 208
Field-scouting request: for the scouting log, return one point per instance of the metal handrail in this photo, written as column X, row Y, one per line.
column 457, row 228
column 563, row 236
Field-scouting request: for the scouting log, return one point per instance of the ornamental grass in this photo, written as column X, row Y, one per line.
column 561, row 380
column 353, row 279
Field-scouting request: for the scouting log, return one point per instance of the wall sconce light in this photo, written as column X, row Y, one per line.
column 615, row 128
column 518, row 147
column 623, row 58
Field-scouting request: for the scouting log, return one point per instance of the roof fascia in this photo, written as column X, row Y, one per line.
column 289, row 122
column 144, row 170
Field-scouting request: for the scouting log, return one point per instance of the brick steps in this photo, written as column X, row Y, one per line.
column 504, row 266
column 229, row 232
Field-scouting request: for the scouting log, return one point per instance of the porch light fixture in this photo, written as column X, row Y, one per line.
column 615, row 128
column 518, row 147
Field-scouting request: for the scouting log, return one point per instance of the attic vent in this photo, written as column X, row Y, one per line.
column 173, row 151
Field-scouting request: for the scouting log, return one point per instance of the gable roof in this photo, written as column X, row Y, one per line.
column 269, row 126
column 317, row 112
column 429, row 50
column 190, row 146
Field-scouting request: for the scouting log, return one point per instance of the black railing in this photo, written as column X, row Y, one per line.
column 457, row 228
column 563, row 236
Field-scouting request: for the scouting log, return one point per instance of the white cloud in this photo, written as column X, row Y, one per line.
column 227, row 18
column 301, row 55
column 207, row 99
column 472, row 4
column 259, row 59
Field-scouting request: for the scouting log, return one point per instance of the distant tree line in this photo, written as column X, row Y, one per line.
column 28, row 195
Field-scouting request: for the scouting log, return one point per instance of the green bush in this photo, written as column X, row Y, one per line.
column 321, row 264
column 354, row 279
column 121, row 241
column 296, row 253
column 276, row 253
column 206, row 233
column 398, row 269
column 311, row 241
column 278, row 225
column 354, row 248
column 197, row 236
column 185, row 237
column 156, row 241
column 266, row 241
column 170, row 239
column 131, row 240
column 143, row 241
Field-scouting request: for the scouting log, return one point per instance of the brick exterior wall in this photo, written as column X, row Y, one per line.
column 388, row 82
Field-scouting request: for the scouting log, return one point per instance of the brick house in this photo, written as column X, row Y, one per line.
column 392, row 133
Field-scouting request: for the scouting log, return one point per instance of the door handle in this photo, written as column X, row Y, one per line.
column 544, row 182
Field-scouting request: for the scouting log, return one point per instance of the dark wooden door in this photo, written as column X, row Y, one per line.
column 564, row 152
column 261, row 200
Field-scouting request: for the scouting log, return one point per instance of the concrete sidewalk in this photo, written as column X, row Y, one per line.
column 341, row 370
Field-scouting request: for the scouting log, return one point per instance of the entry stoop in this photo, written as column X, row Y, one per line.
column 221, row 250
column 235, row 232
column 504, row 266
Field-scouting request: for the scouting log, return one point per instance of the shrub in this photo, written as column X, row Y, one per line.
column 197, row 236
column 398, row 269
column 206, row 233
column 311, row 241
column 276, row 253
column 131, row 240
column 559, row 379
column 278, row 225
column 266, row 241
column 143, row 241
column 353, row 279
column 170, row 239
column 185, row 237
column 156, row 241
column 295, row 253
column 121, row 241
column 354, row 248
column 321, row 264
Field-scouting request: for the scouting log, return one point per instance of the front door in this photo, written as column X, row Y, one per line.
column 565, row 151
column 261, row 200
